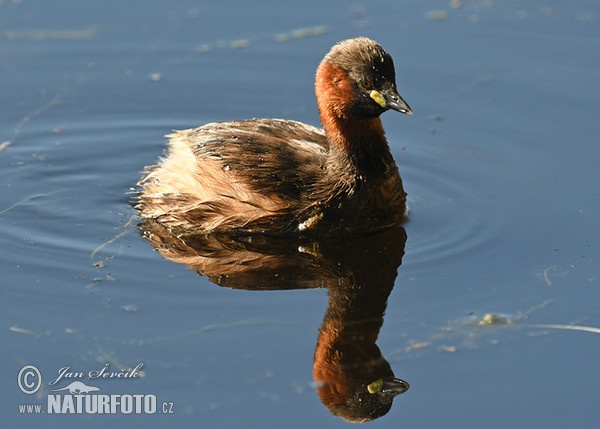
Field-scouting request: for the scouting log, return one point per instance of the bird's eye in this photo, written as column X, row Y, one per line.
column 366, row 84
column 362, row 397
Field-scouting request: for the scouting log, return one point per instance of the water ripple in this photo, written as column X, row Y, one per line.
column 452, row 214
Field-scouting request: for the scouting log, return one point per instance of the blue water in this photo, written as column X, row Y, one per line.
column 499, row 161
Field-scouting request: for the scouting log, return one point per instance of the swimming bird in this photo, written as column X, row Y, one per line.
column 283, row 177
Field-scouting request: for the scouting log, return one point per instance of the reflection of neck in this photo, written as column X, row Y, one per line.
column 348, row 334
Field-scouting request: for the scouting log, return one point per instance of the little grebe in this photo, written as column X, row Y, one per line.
column 284, row 177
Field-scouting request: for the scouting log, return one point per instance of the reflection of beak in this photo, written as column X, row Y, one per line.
column 390, row 99
column 388, row 386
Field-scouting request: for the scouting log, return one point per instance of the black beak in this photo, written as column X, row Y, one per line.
column 395, row 102
column 394, row 386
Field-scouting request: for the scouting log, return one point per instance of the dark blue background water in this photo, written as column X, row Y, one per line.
column 500, row 162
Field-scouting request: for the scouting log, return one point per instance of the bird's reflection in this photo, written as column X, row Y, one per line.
column 353, row 380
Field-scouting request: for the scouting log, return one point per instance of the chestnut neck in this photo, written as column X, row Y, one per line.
column 356, row 144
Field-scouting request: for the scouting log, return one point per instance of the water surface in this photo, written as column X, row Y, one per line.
column 499, row 160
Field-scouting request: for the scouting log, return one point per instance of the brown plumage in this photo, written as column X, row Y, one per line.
column 284, row 177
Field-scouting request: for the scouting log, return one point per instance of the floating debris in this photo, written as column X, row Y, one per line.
column 209, row 328
column 301, row 33
column 21, row 330
column 467, row 331
column 282, row 38
column 155, row 77
column 416, row 345
column 436, row 15
column 51, row 34
column 552, row 273
column 239, row 44
column 590, row 329
column 27, row 118
column 129, row 226
column 204, row 48
column 546, row 274
column 130, row 308
column 25, row 200
column 494, row 319
column 104, row 356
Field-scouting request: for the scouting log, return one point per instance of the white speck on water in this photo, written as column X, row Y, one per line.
column 130, row 308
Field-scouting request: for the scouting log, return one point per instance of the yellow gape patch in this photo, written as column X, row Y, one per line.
column 376, row 95
column 376, row 386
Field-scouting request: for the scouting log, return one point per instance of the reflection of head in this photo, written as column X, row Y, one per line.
column 360, row 403
column 354, row 381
